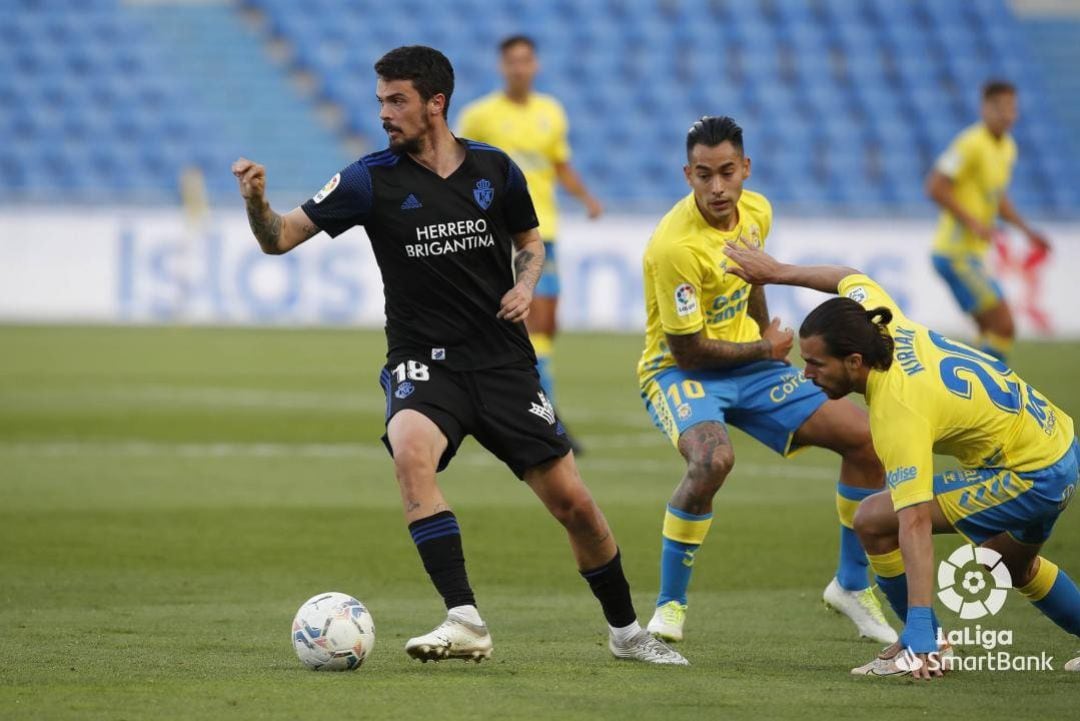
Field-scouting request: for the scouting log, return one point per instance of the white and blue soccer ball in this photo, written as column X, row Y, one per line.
column 333, row 632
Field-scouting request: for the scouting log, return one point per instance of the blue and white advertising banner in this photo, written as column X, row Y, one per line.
column 151, row 266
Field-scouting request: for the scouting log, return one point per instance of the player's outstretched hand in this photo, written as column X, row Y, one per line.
column 252, row 178
column 593, row 208
column 1039, row 241
column 515, row 304
column 754, row 265
column 780, row 340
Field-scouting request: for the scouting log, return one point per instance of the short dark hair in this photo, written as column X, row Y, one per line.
column 428, row 69
column 993, row 88
column 711, row 130
column 518, row 39
column 846, row 327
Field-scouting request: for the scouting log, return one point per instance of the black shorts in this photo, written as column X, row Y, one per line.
column 504, row 408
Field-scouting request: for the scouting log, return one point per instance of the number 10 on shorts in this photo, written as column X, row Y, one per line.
column 690, row 388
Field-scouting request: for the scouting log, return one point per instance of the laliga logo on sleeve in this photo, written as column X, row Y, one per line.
column 330, row 186
column 685, row 299
column 973, row 582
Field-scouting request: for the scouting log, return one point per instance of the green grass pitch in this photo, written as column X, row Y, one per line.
column 169, row 497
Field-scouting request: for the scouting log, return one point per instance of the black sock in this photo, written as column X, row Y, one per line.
column 438, row 539
column 611, row 589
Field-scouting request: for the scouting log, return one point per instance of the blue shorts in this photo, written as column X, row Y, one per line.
column 984, row 502
column 548, row 285
column 769, row 400
column 969, row 280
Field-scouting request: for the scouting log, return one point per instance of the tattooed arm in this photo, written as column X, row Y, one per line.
column 528, row 265
column 695, row 351
column 757, row 307
column 276, row 234
column 529, row 259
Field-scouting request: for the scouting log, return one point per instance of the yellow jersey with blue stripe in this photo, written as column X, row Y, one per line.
column 687, row 288
column 980, row 166
column 941, row 396
column 533, row 134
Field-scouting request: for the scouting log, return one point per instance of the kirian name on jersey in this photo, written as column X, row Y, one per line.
column 460, row 235
column 904, row 338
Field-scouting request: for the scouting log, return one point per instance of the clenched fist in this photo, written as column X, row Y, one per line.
column 252, row 178
column 780, row 340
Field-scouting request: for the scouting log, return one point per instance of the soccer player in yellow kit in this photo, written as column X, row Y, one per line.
column 969, row 181
column 927, row 394
column 712, row 357
column 532, row 128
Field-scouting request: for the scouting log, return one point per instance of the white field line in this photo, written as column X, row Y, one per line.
column 665, row 462
column 232, row 397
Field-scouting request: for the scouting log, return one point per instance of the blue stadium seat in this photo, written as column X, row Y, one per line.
column 844, row 102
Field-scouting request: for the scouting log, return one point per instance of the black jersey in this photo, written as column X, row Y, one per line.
column 444, row 249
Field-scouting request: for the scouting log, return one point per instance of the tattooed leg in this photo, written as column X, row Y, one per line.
column 709, row 458
column 418, row 444
column 558, row 484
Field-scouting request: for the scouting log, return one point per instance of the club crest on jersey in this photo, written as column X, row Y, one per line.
column 405, row 390
column 755, row 236
column 484, row 193
column 328, row 188
column 543, row 409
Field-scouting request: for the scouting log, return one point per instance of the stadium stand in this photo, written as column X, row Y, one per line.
column 845, row 102
column 104, row 102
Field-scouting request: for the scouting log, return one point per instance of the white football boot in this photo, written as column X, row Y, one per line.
column 864, row 610
column 454, row 638
column 1073, row 665
column 667, row 622
column 643, row 647
column 894, row 661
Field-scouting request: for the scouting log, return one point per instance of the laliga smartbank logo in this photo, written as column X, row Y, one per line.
column 974, row 583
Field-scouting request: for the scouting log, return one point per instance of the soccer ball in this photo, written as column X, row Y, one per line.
column 333, row 632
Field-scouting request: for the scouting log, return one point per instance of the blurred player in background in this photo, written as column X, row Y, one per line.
column 968, row 181
column 444, row 217
column 712, row 357
column 532, row 128
column 928, row 394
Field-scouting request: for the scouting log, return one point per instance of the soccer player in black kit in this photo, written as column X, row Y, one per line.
column 445, row 216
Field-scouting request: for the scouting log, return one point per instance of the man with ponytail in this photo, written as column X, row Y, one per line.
column 927, row 394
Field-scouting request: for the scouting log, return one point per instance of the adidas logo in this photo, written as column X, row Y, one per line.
column 411, row 203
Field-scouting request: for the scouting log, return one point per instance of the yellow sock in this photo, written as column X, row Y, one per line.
column 1040, row 585
column 887, row 565
column 686, row 527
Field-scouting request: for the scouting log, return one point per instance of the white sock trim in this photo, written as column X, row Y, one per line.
column 624, row 634
column 467, row 613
